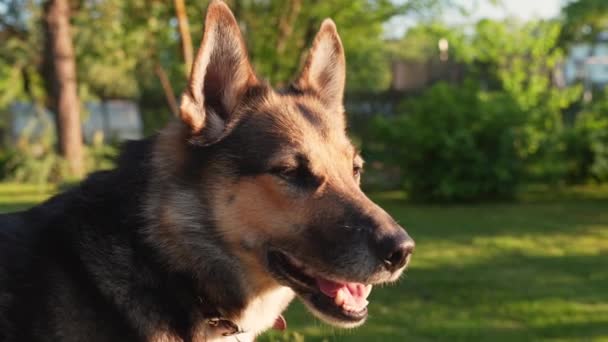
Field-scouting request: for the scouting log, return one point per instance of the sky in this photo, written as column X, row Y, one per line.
column 524, row 9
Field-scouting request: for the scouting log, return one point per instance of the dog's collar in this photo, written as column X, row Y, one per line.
column 227, row 327
column 222, row 325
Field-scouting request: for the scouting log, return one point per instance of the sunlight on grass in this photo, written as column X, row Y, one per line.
column 15, row 196
column 525, row 271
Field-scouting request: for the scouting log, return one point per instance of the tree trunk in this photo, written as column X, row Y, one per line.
column 184, row 33
column 286, row 24
column 63, row 86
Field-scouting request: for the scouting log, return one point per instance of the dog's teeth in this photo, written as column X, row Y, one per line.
column 368, row 290
column 339, row 299
column 351, row 308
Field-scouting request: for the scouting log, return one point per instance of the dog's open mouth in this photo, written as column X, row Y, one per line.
column 340, row 303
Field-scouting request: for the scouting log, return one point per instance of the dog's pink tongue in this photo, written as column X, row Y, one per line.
column 351, row 296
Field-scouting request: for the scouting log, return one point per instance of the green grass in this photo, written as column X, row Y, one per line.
column 532, row 270
column 14, row 196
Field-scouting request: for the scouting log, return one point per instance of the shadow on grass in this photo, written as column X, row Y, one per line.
column 460, row 223
column 11, row 208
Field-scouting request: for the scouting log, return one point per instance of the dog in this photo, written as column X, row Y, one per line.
column 207, row 230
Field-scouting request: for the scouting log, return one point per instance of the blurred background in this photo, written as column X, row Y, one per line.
column 484, row 124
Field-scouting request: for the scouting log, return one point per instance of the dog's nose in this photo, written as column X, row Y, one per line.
column 397, row 250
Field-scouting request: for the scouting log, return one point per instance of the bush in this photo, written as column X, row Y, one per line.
column 457, row 143
column 586, row 144
column 33, row 158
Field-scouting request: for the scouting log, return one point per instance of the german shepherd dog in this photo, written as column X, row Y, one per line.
column 207, row 230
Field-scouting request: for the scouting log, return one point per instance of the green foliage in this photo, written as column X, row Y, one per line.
column 586, row 144
column 20, row 50
column 279, row 33
column 119, row 44
column 33, row 158
column 584, row 20
column 481, row 139
column 519, row 59
column 100, row 155
column 10, row 84
column 457, row 143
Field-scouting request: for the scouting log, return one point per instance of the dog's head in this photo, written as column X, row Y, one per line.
column 283, row 177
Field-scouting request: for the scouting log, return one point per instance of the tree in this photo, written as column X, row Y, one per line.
column 482, row 138
column 19, row 52
column 584, row 20
column 278, row 33
column 62, row 83
column 184, row 33
column 120, row 45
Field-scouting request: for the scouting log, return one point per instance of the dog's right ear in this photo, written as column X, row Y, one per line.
column 220, row 76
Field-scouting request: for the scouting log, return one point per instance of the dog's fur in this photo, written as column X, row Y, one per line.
column 180, row 231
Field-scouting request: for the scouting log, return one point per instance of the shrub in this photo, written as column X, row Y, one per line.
column 457, row 143
column 33, row 158
column 587, row 144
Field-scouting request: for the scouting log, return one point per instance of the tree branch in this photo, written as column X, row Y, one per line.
column 167, row 89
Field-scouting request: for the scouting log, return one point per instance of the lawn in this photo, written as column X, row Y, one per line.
column 19, row 196
column 535, row 269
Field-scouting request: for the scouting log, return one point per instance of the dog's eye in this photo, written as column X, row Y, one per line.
column 298, row 176
column 285, row 172
column 357, row 170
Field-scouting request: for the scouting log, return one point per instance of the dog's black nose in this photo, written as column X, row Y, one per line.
column 397, row 250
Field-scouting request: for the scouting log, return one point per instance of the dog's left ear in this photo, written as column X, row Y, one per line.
column 220, row 77
column 325, row 69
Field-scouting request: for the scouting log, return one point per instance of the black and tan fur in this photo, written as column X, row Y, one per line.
column 181, row 231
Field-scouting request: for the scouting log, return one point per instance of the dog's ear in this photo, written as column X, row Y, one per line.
column 220, row 76
column 324, row 71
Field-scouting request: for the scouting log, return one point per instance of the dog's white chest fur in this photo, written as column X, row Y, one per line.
column 262, row 312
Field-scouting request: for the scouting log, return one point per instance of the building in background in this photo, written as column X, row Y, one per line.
column 587, row 62
column 413, row 76
column 115, row 120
